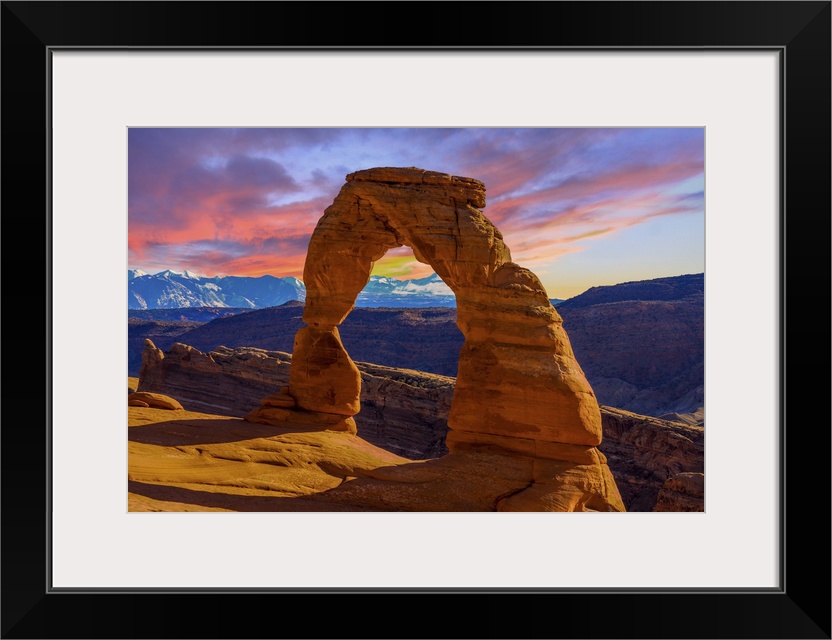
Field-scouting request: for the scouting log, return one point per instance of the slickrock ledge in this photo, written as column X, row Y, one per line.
column 519, row 390
column 405, row 412
column 155, row 400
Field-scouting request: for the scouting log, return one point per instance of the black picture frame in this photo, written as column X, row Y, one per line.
column 799, row 608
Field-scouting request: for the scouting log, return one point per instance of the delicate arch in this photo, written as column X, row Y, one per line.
column 519, row 387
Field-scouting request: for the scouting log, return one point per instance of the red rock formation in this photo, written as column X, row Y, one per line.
column 155, row 400
column 322, row 377
column 644, row 452
column 151, row 373
column 519, row 391
column 682, row 492
column 406, row 413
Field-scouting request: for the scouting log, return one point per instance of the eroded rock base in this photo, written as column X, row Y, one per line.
column 520, row 398
column 307, row 420
column 562, row 477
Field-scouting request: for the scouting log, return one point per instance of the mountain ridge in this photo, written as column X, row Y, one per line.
column 645, row 356
column 169, row 289
column 664, row 289
column 173, row 290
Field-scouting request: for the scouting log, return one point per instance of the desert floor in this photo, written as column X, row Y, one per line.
column 187, row 461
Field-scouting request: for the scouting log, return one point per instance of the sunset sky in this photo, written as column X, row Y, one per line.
column 579, row 207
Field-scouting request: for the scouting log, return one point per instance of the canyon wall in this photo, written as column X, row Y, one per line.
column 406, row 412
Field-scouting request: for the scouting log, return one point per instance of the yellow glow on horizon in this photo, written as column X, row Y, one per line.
column 402, row 267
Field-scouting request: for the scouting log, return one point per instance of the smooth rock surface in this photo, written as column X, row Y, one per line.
column 403, row 411
column 155, row 400
column 518, row 377
column 188, row 461
column 406, row 412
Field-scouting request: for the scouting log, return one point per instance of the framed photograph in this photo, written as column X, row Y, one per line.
column 753, row 78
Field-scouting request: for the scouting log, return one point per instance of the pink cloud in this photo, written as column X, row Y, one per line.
column 205, row 199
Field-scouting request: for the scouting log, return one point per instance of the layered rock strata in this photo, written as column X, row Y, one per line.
column 645, row 452
column 519, row 389
column 682, row 492
column 406, row 412
column 155, row 400
column 651, row 363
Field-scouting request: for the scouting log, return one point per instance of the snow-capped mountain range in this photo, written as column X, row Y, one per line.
column 172, row 290
column 384, row 291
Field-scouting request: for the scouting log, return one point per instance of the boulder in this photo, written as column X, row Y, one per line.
column 154, row 400
column 406, row 412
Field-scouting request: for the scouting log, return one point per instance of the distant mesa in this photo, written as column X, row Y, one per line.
column 657, row 289
column 519, row 393
column 425, row 339
column 651, row 364
column 642, row 344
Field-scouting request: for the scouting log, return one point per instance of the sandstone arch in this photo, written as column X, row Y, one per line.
column 519, row 390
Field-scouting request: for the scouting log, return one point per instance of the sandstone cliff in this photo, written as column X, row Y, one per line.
column 420, row 339
column 519, row 390
column 645, row 452
column 163, row 333
column 682, row 492
column 651, row 363
column 405, row 412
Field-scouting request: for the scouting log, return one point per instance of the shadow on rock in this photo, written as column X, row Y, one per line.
column 234, row 502
column 178, row 433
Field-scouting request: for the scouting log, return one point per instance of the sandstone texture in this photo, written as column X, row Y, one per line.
column 163, row 333
column 322, row 377
column 151, row 374
column 191, row 461
column 652, row 363
column 406, row 412
column 155, row 400
column 682, row 492
column 519, row 389
column 194, row 461
column 645, row 452
column 403, row 411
